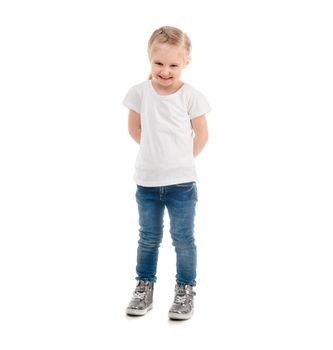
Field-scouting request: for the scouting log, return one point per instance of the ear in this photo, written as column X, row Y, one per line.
column 187, row 61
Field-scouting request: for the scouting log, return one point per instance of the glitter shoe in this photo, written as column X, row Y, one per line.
column 142, row 300
column 182, row 307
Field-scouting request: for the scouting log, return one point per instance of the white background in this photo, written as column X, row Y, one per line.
column 68, row 216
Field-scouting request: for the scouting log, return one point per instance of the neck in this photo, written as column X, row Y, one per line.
column 167, row 90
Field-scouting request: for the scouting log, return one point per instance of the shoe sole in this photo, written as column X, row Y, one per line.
column 136, row 312
column 176, row 316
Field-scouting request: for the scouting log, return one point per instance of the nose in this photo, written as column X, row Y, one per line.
column 165, row 71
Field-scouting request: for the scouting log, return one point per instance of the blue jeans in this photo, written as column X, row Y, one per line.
column 180, row 201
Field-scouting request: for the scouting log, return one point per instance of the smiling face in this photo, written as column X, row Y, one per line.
column 167, row 62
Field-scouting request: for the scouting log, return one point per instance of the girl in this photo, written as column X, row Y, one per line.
column 167, row 118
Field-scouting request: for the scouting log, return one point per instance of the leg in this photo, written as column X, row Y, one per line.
column 181, row 201
column 151, row 211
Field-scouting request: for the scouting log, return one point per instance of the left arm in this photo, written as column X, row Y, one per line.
column 200, row 128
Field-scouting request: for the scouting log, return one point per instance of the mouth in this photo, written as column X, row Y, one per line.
column 164, row 78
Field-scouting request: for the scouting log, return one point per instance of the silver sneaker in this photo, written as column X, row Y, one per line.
column 142, row 300
column 182, row 307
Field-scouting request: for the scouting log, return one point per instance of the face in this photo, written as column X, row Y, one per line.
column 167, row 62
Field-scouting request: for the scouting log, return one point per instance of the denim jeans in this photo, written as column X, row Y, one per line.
column 180, row 201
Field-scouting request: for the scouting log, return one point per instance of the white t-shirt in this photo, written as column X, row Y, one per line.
column 166, row 147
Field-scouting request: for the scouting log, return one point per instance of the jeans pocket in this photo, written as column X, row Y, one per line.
column 187, row 191
column 186, row 184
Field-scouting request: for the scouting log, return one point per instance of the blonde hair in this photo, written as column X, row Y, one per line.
column 172, row 36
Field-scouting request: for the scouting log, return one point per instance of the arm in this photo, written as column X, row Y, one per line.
column 134, row 125
column 200, row 129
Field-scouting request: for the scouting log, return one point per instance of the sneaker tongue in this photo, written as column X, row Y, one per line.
column 142, row 286
column 181, row 290
column 181, row 287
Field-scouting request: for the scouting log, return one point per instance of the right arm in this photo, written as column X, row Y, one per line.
column 134, row 125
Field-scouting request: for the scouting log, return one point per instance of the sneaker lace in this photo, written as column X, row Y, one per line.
column 182, row 295
column 139, row 294
column 180, row 298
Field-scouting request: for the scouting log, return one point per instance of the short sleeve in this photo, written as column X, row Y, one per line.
column 132, row 99
column 197, row 104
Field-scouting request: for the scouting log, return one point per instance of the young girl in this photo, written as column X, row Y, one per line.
column 167, row 118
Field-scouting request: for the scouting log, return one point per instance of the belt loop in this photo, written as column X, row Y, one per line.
column 162, row 192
